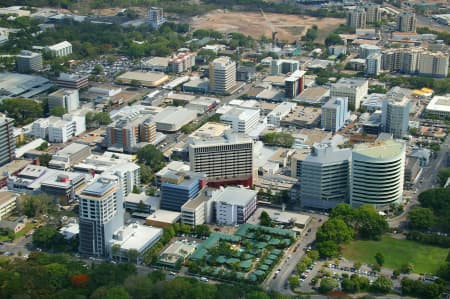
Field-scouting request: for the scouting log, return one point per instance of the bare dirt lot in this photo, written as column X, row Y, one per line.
column 289, row 27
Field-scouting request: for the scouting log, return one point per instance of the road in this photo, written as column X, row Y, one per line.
column 287, row 265
column 20, row 247
column 428, row 179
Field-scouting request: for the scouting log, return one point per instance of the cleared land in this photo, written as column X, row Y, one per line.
column 289, row 27
column 425, row 258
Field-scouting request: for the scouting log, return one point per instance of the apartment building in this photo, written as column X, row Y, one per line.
column 355, row 89
column 156, row 17
column 127, row 132
column 222, row 75
column 325, row 177
column 129, row 174
column 395, row 115
column 8, row 201
column 294, row 84
column 373, row 64
column 365, row 50
column 406, row 22
column 181, row 62
column 433, row 64
column 373, row 13
column 101, row 213
column 357, row 18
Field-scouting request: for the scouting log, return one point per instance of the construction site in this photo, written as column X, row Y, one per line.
column 288, row 28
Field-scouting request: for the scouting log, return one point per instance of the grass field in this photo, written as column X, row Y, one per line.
column 425, row 258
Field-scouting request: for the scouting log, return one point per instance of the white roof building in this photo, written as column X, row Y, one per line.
column 439, row 106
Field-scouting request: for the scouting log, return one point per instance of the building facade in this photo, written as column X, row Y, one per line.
column 325, row 177
column 354, row 89
column 373, row 64
column 226, row 159
column 334, row 114
column 28, row 62
column 7, row 140
column 60, row 49
column 357, row 18
column 406, row 22
column 234, row 205
column 294, row 84
column 156, row 17
column 101, row 214
column 65, row 98
column 179, row 187
column 377, row 174
column 241, row 120
column 395, row 115
column 283, row 66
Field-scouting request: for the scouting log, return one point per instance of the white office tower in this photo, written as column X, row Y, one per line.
column 365, row 50
column 334, row 114
column 356, row 18
column 377, row 173
column 395, row 115
column 373, row 64
column 66, row 98
column 222, row 75
column 324, row 177
column 101, row 214
column 156, row 17
column 355, row 89
column 406, row 22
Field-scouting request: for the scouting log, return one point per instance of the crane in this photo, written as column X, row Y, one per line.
column 274, row 32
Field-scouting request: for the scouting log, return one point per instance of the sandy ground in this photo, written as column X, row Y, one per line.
column 289, row 27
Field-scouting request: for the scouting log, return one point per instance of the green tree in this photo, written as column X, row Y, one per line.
column 382, row 285
column 327, row 285
column 379, row 259
column 421, row 218
column 294, row 281
column 328, row 249
column 149, row 155
column 336, row 230
column 44, row 159
column 264, row 219
column 110, row 293
column 139, row 286
column 97, row 70
column 443, row 175
column 23, row 111
column 47, row 237
column 136, row 189
column 58, row 111
column 43, row 146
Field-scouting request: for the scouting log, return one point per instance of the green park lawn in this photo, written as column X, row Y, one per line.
column 425, row 258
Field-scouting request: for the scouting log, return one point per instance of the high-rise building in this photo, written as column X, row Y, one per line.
column 409, row 59
column 7, row 140
column 283, row 66
column 225, row 159
column 377, row 174
column 28, row 62
column 395, row 115
column 294, row 84
column 373, row 12
column 355, row 89
column 179, row 187
column 127, row 132
column 325, row 177
column 373, row 64
column 222, row 75
column 101, row 214
column 181, row 62
column 406, row 22
column 156, row 17
column 65, row 98
column 356, row 18
column 334, row 114
column 433, row 64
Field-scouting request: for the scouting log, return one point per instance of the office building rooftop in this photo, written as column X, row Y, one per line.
column 380, row 150
column 234, row 195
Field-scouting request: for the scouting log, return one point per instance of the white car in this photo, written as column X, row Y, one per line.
column 204, row 279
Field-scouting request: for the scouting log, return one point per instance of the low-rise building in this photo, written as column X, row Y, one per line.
column 28, row 62
column 234, row 205
column 68, row 99
column 241, row 120
column 60, row 49
column 72, row 81
column 194, row 212
column 147, row 79
column 8, row 202
column 280, row 111
column 439, row 106
column 69, row 156
column 172, row 119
